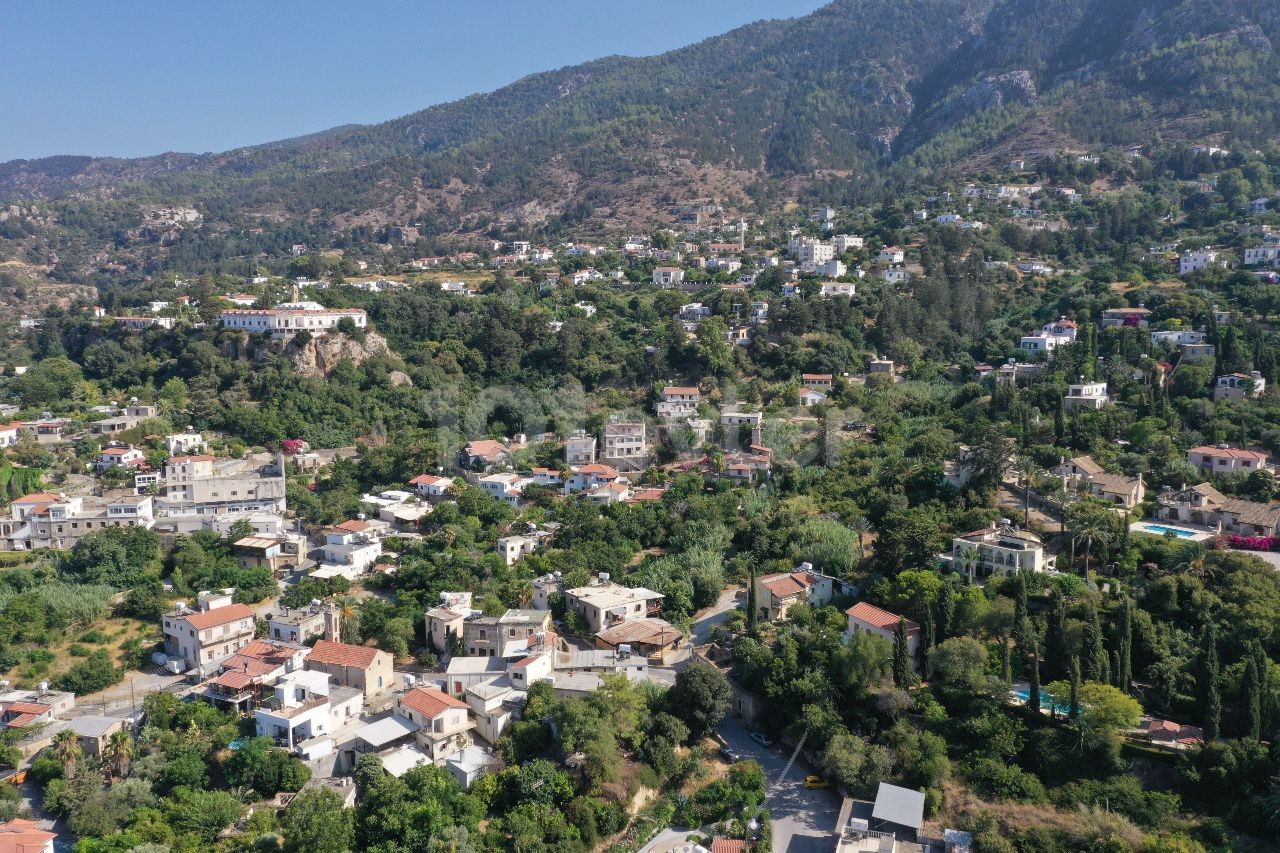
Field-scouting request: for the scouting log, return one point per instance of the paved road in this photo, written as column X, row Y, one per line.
column 715, row 615
column 803, row 820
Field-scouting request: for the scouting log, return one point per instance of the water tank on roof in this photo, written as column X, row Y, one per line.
column 604, row 577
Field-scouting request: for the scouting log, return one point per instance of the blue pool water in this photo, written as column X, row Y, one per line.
column 1160, row 530
column 1024, row 694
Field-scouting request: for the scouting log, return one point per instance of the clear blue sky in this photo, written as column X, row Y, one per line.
column 131, row 78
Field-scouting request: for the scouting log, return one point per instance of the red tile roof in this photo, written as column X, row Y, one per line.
column 342, row 654
column 234, row 680
column 485, row 448
column 878, row 617
column 354, row 525
column 38, row 498
column 785, row 586
column 218, row 616
column 1228, row 452
column 429, row 702
column 728, row 845
column 24, row 836
column 678, row 389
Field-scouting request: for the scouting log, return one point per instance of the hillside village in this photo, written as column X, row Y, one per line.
column 922, row 526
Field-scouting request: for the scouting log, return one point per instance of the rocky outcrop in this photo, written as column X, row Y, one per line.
column 318, row 356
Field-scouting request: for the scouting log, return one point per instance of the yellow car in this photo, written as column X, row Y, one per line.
column 812, row 782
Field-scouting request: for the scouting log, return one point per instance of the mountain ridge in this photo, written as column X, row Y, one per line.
column 872, row 88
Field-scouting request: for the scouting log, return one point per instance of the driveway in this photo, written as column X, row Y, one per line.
column 803, row 820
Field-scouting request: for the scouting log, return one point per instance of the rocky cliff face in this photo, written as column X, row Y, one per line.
column 318, row 357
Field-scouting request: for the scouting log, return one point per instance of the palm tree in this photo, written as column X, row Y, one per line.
column 348, row 607
column 969, row 556
column 1091, row 530
column 861, row 528
column 119, row 752
column 1027, row 471
column 1191, row 559
column 66, row 746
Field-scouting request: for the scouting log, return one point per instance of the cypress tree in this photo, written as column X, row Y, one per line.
column 1055, row 639
column 1059, row 421
column 1073, row 709
column 1263, row 665
column 929, row 636
column 1033, row 662
column 752, row 606
column 1114, row 669
column 946, row 612
column 1124, row 642
column 1093, row 664
column 901, row 656
column 1020, row 632
column 1006, row 662
column 1252, row 698
column 1209, row 684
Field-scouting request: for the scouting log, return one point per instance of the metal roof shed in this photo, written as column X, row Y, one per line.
column 901, row 806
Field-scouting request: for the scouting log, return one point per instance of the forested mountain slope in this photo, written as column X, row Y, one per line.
column 867, row 87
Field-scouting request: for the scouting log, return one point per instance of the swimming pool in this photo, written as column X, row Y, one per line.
column 1161, row 530
column 1024, row 694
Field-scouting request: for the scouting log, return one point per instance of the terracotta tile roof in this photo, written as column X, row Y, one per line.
column 234, row 680
column 784, row 586
column 266, row 650
column 38, row 498
column 429, row 702
column 1228, row 453
column 647, row 495
column 878, row 617
column 597, row 468
column 24, row 836
column 678, row 389
column 429, row 480
column 521, row 664
column 342, row 654
column 819, row 377
column 218, row 616
column 485, row 448
column 728, row 845
column 648, row 631
column 354, row 525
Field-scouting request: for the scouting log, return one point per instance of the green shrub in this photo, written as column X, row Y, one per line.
column 1001, row 781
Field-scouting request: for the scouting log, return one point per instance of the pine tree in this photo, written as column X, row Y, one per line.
column 1073, row 709
column 1209, row 695
column 1252, row 698
column 1093, row 664
column 901, row 656
column 1033, row 664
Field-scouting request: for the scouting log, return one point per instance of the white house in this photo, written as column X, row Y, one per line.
column 1237, row 386
column 1085, row 395
column 1190, row 262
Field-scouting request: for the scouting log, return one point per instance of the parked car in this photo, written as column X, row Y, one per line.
column 815, row 782
column 730, row 755
column 762, row 739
